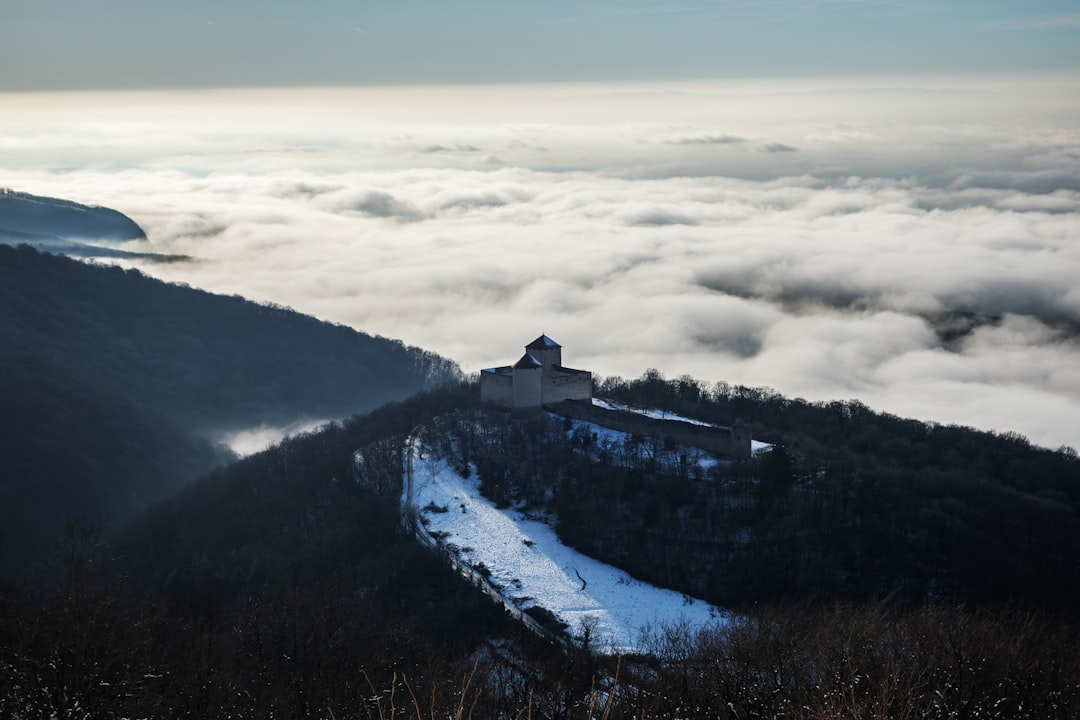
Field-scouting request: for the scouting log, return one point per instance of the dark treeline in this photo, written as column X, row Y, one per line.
column 860, row 503
column 862, row 661
column 80, row 642
column 282, row 587
column 82, row 639
column 111, row 383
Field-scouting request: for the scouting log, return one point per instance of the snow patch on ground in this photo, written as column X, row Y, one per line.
column 531, row 566
column 648, row 412
column 606, row 437
column 756, row 446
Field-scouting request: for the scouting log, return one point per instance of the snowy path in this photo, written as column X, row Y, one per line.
column 531, row 567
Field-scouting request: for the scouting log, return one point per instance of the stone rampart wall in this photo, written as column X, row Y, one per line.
column 568, row 387
column 707, row 437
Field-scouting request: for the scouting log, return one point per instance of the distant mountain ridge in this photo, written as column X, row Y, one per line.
column 69, row 228
column 55, row 218
column 113, row 383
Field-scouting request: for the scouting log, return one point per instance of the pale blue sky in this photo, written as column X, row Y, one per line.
column 76, row 44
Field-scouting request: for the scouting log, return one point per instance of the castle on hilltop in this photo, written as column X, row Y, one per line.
column 537, row 379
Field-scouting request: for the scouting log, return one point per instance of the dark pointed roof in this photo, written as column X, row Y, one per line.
column 527, row 362
column 542, row 343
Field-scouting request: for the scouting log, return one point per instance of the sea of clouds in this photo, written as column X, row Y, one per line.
column 914, row 244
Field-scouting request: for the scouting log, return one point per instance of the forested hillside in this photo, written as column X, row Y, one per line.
column 210, row 361
column 114, row 384
column 850, row 504
column 280, row 586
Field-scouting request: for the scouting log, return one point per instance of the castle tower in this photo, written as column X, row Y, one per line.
column 547, row 352
column 528, row 382
column 740, row 439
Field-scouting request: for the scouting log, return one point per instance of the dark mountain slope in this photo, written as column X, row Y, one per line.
column 922, row 513
column 291, row 513
column 70, row 451
column 209, row 361
column 294, row 580
column 283, row 589
column 112, row 381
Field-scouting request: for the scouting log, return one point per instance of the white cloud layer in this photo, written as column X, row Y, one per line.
column 922, row 256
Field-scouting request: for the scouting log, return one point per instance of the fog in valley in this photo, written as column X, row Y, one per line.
column 909, row 242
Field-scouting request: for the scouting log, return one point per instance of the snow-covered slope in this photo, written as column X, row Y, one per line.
column 656, row 414
column 530, row 566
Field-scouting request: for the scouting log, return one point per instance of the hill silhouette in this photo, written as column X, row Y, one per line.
column 849, row 505
column 115, row 384
column 52, row 217
column 69, row 228
column 291, row 580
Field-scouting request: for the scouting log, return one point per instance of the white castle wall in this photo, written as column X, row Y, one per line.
column 497, row 388
column 528, row 387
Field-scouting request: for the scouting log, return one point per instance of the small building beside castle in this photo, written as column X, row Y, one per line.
column 538, row 378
